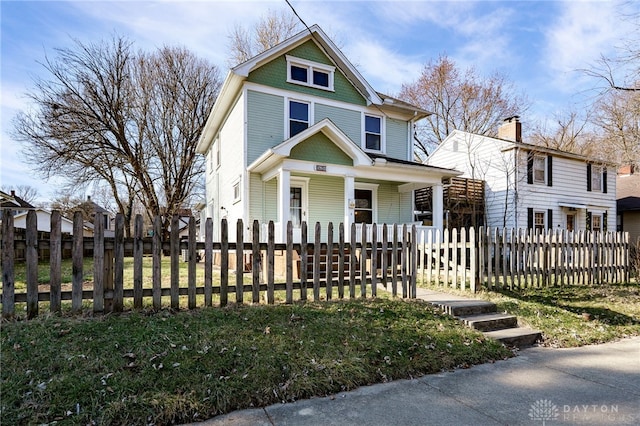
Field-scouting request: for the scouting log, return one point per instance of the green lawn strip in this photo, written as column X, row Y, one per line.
column 161, row 368
column 571, row 315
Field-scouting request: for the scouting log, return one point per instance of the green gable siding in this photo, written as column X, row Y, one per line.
column 320, row 149
column 349, row 121
column 274, row 74
column 265, row 123
column 397, row 134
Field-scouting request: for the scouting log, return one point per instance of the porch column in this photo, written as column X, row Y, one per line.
column 284, row 193
column 438, row 206
column 349, row 200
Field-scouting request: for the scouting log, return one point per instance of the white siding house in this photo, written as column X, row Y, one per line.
column 529, row 186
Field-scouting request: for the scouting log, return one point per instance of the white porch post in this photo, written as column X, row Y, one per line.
column 284, row 193
column 438, row 206
column 349, row 197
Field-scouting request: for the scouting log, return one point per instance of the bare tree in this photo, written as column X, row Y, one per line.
column 569, row 132
column 460, row 100
column 274, row 28
column 617, row 117
column 129, row 119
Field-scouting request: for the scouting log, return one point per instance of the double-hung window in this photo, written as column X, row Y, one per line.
column 298, row 117
column 539, row 169
column 596, row 178
column 372, row 133
column 309, row 73
column 539, row 220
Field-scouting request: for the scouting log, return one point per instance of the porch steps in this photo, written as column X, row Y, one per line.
column 483, row 316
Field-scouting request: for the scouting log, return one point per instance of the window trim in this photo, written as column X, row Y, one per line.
column 236, row 185
column 544, row 220
column 599, row 172
column 373, row 187
column 288, row 114
column 536, row 159
column 310, row 66
column 363, row 142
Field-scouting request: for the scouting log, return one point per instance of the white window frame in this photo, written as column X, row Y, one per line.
column 536, row 214
column 383, row 144
column 288, row 114
column 217, row 152
column 597, row 175
column 537, row 160
column 593, row 222
column 373, row 187
column 310, row 66
column 237, row 190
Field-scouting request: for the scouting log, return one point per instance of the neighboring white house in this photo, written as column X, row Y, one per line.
column 529, row 186
column 43, row 218
column 298, row 134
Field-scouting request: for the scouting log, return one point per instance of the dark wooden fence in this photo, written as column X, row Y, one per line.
column 319, row 264
column 340, row 266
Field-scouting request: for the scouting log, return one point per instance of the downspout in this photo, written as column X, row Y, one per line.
column 515, row 187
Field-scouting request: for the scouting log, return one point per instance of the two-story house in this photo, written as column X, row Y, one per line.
column 297, row 134
column 529, row 186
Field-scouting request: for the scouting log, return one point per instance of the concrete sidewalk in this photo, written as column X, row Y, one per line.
column 591, row 385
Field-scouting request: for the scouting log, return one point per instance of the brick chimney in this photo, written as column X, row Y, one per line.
column 511, row 129
column 626, row 170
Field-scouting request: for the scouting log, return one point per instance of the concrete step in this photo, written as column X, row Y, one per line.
column 520, row 337
column 459, row 308
column 490, row 322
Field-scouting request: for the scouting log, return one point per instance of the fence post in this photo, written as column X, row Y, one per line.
column 31, row 254
column 374, row 260
column 239, row 262
column 255, row 263
column 414, row 262
column 341, row 260
column 78, row 255
column 224, row 263
column 304, row 260
column 352, row 263
column 289, row 261
column 473, row 261
column 446, row 263
column 157, row 262
column 454, row 258
column 174, row 241
column 394, row 261
column 463, row 258
column 405, row 253
column 8, row 271
column 270, row 263
column 138, row 251
column 208, row 262
column 316, row 263
column 384, row 254
column 329, row 263
column 55, row 262
column 118, row 291
column 191, row 270
column 363, row 261
column 98, row 264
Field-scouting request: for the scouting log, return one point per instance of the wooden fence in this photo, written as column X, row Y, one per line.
column 501, row 258
column 321, row 265
column 341, row 264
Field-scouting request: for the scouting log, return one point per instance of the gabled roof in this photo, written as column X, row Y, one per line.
column 326, row 127
column 12, row 201
column 237, row 75
column 509, row 145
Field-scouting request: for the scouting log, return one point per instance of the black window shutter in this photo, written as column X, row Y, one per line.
column 550, row 218
column 588, row 177
column 588, row 221
column 604, row 221
column 530, row 167
column 549, row 170
column 604, row 180
column 530, row 218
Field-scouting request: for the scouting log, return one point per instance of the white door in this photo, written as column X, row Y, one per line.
column 298, row 206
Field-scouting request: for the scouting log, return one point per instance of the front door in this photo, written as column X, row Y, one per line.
column 571, row 222
column 298, row 206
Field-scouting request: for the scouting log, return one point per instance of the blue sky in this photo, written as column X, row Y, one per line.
column 541, row 46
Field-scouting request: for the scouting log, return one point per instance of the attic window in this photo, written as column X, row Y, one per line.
column 309, row 73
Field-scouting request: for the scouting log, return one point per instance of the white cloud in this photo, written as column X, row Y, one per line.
column 582, row 32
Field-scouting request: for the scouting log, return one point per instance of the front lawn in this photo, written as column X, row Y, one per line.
column 173, row 367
